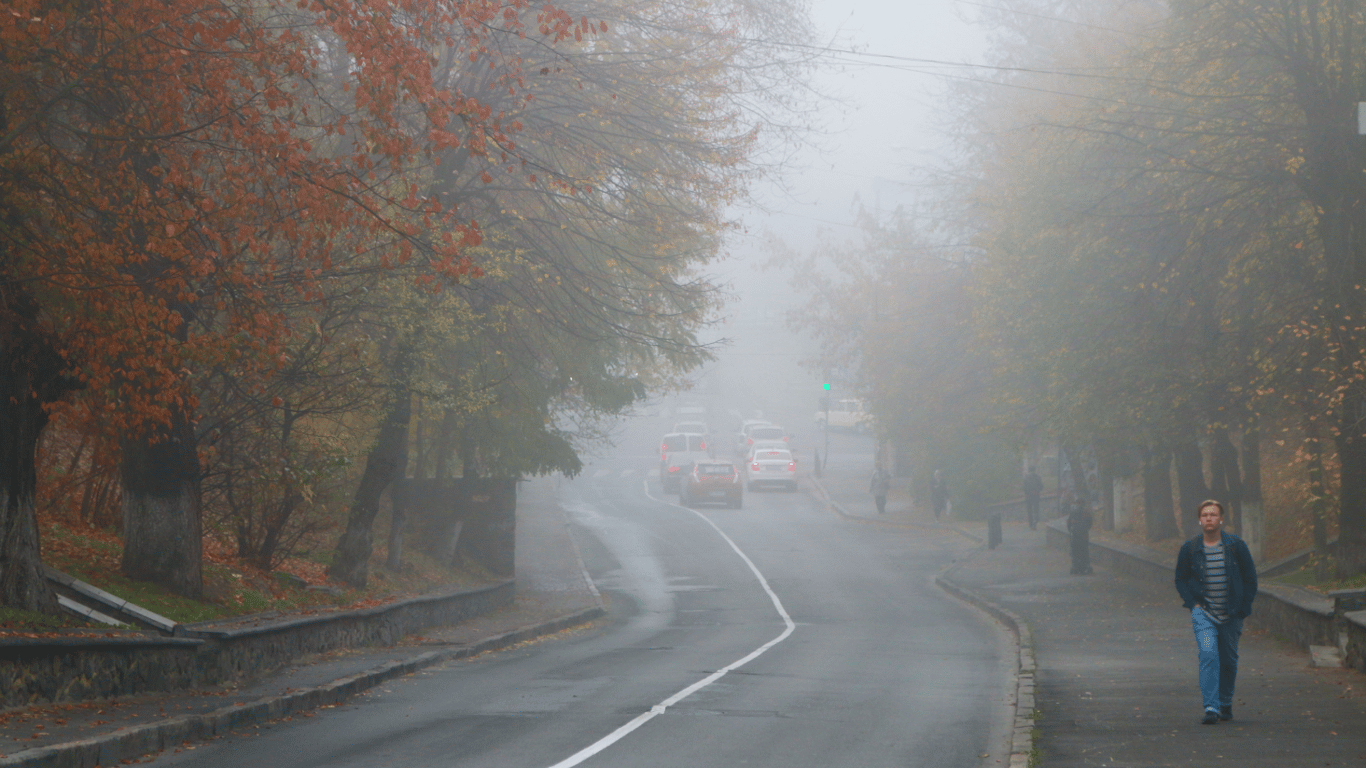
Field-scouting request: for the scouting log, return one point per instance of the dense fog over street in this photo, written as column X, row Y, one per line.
column 783, row 383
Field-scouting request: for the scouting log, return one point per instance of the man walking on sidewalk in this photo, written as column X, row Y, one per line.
column 939, row 494
column 1033, row 487
column 1217, row 581
column 882, row 482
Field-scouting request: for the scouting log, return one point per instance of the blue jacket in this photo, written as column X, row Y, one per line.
column 1242, row 574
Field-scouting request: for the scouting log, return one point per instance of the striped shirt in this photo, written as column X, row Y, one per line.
column 1216, row 582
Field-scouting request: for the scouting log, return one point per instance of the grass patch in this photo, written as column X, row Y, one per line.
column 1035, row 752
column 231, row 588
column 16, row 619
column 1308, row 578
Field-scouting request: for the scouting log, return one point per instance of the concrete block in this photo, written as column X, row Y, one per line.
column 1326, row 657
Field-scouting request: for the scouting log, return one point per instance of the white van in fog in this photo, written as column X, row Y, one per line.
column 849, row 413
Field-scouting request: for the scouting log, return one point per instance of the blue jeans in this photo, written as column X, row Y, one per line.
column 1218, row 657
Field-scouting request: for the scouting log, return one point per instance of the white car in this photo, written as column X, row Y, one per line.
column 847, row 414
column 695, row 427
column 753, row 433
column 742, row 441
column 765, row 445
column 773, row 466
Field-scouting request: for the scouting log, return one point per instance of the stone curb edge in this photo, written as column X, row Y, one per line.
column 1022, row 732
column 110, row 749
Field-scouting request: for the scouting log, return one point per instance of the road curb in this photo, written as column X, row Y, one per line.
column 1022, row 733
column 111, row 748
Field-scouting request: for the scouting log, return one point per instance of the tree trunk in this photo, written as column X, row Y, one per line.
column 1351, row 547
column 162, row 525
column 1253, row 529
column 1159, row 519
column 1191, row 488
column 351, row 563
column 1105, row 465
column 1226, row 481
column 444, row 445
column 398, row 522
column 29, row 377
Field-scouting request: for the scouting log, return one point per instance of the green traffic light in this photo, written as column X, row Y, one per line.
column 826, row 387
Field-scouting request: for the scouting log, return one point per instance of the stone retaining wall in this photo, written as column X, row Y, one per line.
column 63, row 669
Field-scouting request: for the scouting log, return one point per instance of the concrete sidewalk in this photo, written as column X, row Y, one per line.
column 553, row 594
column 1115, row 682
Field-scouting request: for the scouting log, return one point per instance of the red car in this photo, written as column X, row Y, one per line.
column 715, row 482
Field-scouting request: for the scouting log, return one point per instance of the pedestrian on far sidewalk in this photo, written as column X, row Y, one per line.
column 1033, row 487
column 939, row 494
column 881, row 483
column 1079, row 528
column 1217, row 581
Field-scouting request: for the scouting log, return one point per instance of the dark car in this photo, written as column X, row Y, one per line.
column 716, row 482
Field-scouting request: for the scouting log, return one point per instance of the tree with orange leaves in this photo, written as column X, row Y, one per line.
column 168, row 171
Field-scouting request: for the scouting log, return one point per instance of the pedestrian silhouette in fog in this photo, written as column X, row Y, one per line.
column 1079, row 526
column 939, row 494
column 881, row 483
column 1033, row 487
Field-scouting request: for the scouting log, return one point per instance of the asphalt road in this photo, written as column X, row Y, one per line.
column 698, row 663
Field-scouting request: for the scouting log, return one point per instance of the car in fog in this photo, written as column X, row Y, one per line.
column 742, row 441
column 715, row 482
column 678, row 451
column 694, row 427
column 766, row 445
column 847, row 414
column 773, row 466
column 766, row 432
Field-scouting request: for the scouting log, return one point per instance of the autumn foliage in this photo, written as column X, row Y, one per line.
column 174, row 176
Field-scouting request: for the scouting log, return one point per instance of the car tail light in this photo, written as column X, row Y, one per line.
column 704, row 445
column 673, row 469
column 792, row 466
column 754, row 466
column 785, row 438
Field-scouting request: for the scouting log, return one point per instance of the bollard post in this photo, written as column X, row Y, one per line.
column 994, row 530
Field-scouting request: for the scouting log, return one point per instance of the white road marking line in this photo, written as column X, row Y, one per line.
column 658, row 709
column 600, row 473
column 627, row 473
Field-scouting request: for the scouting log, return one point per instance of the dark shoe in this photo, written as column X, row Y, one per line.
column 1211, row 718
column 1226, row 713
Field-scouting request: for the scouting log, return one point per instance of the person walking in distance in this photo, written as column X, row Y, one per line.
column 1033, row 488
column 881, row 483
column 1217, row 581
column 939, row 494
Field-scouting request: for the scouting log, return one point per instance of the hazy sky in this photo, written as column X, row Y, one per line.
column 891, row 119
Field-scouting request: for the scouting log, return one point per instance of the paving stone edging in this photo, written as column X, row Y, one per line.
column 1022, row 731
column 109, row 749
